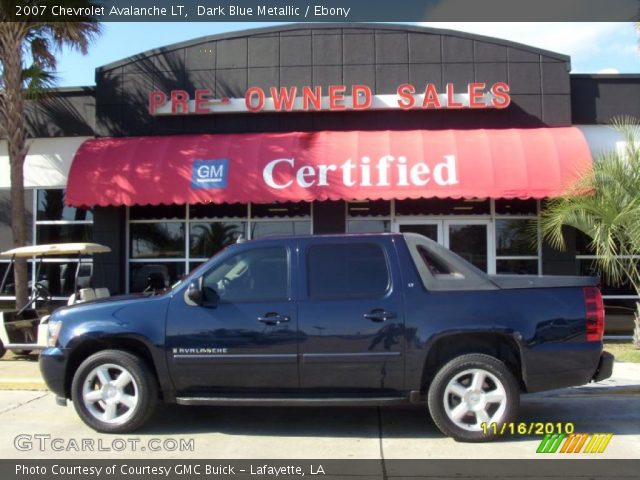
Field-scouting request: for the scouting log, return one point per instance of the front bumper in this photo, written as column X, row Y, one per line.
column 53, row 364
column 605, row 367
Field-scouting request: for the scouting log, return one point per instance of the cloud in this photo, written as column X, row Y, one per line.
column 589, row 44
column 609, row 70
column 562, row 37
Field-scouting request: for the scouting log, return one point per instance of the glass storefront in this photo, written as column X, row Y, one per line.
column 166, row 242
column 368, row 216
column 494, row 235
column 54, row 223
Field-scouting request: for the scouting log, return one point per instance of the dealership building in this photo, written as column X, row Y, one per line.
column 316, row 129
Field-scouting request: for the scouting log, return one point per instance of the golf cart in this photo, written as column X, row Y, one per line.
column 23, row 331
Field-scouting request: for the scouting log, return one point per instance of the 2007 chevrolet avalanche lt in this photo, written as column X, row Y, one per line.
column 331, row 320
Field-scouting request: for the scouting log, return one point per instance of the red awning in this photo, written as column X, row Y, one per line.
column 277, row 167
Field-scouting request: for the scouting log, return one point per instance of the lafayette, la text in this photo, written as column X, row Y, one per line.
column 124, row 469
column 267, row 11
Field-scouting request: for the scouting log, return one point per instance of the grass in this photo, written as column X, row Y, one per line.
column 623, row 351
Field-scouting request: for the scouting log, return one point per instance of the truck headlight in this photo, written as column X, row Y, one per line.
column 54, row 331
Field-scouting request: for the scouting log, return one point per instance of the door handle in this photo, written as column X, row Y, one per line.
column 379, row 315
column 273, row 318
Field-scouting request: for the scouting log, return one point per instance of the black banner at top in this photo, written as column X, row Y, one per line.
column 333, row 10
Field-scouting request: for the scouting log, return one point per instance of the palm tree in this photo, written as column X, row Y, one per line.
column 27, row 60
column 605, row 205
column 207, row 239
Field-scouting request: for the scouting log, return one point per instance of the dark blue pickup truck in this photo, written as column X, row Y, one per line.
column 331, row 320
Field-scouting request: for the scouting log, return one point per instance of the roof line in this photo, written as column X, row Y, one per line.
column 319, row 26
column 605, row 76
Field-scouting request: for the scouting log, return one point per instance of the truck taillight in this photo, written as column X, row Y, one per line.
column 595, row 314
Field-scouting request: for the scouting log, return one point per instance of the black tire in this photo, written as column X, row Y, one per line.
column 2, row 349
column 499, row 383
column 143, row 387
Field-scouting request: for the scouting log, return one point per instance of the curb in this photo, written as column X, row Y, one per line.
column 605, row 391
column 26, row 384
column 586, row 392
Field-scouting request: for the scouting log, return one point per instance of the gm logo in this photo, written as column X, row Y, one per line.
column 210, row 173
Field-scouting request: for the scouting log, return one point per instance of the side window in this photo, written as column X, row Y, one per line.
column 347, row 270
column 260, row 274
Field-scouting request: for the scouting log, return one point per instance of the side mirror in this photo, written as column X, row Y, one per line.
column 210, row 297
column 193, row 295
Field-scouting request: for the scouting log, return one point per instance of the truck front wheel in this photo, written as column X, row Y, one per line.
column 472, row 396
column 114, row 391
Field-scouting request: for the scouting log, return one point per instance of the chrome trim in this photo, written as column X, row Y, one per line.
column 297, row 401
column 234, row 355
column 364, row 354
column 236, row 358
column 24, row 346
column 350, row 357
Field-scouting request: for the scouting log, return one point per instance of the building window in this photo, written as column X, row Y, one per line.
column 6, row 235
column 442, row 206
column 157, row 240
column 56, row 222
column 586, row 265
column 516, row 207
column 153, row 275
column 368, row 216
column 51, row 207
column 208, row 238
column 276, row 219
column 167, row 241
column 157, row 248
column 212, row 227
column 515, row 252
column 494, row 235
column 517, row 237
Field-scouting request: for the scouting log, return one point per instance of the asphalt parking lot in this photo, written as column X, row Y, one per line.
column 34, row 427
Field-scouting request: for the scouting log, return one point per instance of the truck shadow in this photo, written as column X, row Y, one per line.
column 617, row 414
column 344, row 422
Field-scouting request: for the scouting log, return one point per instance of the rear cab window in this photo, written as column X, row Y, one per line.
column 442, row 270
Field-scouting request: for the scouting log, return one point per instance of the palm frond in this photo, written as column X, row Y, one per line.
column 76, row 32
column 41, row 52
column 604, row 204
column 37, row 81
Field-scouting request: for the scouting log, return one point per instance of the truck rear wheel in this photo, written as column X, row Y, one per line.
column 472, row 396
column 114, row 391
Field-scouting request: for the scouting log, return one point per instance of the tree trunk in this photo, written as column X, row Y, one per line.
column 636, row 327
column 13, row 129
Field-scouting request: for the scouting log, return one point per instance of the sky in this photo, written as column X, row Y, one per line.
column 603, row 47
